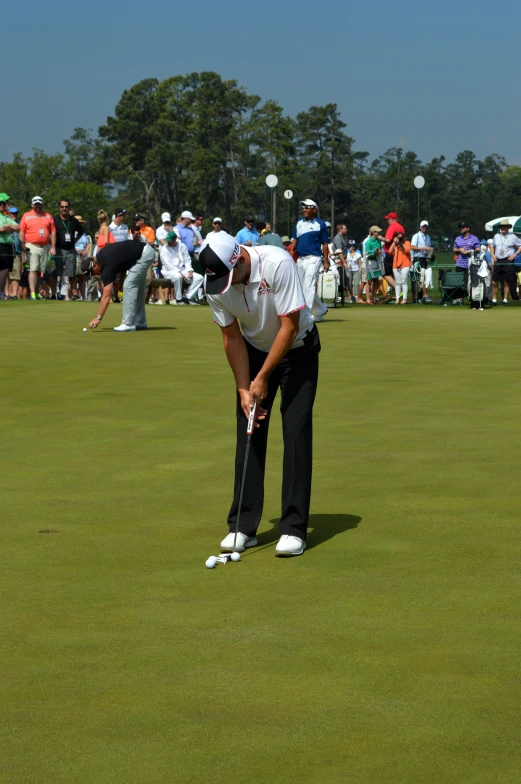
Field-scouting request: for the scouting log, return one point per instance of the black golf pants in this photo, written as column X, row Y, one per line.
column 297, row 377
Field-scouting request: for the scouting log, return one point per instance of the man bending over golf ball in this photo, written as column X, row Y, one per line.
column 271, row 342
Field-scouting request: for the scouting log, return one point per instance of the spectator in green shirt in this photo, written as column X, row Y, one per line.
column 267, row 236
column 7, row 229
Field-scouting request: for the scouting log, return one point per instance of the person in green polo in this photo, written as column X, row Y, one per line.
column 7, row 229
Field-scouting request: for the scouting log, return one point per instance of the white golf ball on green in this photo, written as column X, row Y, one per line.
column 235, row 556
column 211, row 562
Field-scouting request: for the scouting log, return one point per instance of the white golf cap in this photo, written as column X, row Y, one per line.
column 217, row 220
column 187, row 214
column 424, row 223
column 218, row 256
column 166, row 217
column 37, row 199
column 309, row 203
column 327, row 224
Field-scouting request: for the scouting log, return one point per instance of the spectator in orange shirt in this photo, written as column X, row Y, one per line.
column 401, row 251
column 37, row 235
column 146, row 231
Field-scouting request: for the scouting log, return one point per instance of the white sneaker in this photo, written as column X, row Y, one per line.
column 290, row 545
column 243, row 542
column 124, row 328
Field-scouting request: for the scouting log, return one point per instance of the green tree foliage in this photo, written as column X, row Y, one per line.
column 203, row 143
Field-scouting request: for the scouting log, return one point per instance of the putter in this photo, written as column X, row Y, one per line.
column 249, row 431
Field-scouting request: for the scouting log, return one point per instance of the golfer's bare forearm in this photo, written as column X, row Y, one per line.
column 281, row 345
column 237, row 356
column 105, row 300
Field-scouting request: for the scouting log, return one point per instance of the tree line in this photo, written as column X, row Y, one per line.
column 202, row 143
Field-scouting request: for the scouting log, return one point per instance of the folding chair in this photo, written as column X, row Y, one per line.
column 452, row 286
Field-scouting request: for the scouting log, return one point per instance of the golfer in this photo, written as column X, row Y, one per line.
column 270, row 341
column 311, row 241
column 128, row 256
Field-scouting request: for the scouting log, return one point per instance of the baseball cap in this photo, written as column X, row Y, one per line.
column 249, row 218
column 327, row 224
column 219, row 256
column 374, row 228
column 4, row 197
column 187, row 214
column 391, row 215
column 217, row 220
column 166, row 217
column 464, row 225
column 170, row 236
column 119, row 211
column 80, row 219
column 37, row 199
column 424, row 223
column 139, row 217
column 351, row 242
column 12, row 209
column 285, row 238
column 309, row 203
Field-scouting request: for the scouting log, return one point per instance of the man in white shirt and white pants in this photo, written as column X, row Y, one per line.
column 271, row 343
column 421, row 251
column 176, row 266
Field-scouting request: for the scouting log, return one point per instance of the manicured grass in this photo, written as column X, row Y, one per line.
column 388, row 653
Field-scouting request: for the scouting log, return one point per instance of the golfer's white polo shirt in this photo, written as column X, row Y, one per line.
column 273, row 291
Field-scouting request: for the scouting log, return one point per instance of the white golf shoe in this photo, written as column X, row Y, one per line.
column 290, row 545
column 124, row 328
column 243, row 542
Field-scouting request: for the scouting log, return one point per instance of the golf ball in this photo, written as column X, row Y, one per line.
column 211, row 562
column 235, row 556
column 84, row 329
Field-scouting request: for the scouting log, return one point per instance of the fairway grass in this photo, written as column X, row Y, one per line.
column 388, row 653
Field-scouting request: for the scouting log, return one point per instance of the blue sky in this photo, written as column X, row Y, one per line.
column 430, row 77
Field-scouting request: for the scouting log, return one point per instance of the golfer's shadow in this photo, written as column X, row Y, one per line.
column 321, row 528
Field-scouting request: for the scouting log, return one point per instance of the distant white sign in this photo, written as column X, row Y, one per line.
column 419, row 182
column 272, row 180
column 288, row 194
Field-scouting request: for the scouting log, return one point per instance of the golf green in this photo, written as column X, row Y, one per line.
column 389, row 652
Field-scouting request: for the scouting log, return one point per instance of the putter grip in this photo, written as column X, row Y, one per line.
column 251, row 419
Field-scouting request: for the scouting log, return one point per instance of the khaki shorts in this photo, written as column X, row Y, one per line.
column 38, row 255
column 363, row 271
column 16, row 273
column 518, row 276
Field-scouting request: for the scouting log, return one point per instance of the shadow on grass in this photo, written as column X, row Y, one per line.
column 149, row 329
column 322, row 527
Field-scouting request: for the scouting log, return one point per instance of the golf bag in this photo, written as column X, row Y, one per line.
column 477, row 288
column 328, row 287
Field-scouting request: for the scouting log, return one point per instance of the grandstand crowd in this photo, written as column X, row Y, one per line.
column 51, row 256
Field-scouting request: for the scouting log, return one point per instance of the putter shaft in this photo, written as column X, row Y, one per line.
column 249, row 431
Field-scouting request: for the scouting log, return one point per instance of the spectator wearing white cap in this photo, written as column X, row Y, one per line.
column 176, row 265
column 271, row 343
column 165, row 227
column 217, row 226
column 310, row 239
column 185, row 232
column 38, row 236
column 421, row 251
column 248, row 235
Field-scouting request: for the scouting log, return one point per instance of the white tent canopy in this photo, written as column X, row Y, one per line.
column 493, row 224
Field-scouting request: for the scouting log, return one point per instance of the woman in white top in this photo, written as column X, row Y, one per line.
column 353, row 258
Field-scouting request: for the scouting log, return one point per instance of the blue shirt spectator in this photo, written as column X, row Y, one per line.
column 310, row 236
column 465, row 242
column 249, row 234
column 186, row 236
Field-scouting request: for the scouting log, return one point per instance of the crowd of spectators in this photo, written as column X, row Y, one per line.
column 46, row 256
